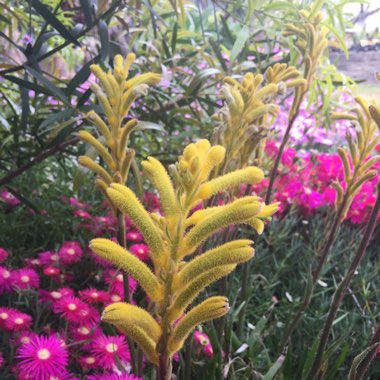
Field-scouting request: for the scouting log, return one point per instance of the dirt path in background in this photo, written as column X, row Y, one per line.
column 359, row 66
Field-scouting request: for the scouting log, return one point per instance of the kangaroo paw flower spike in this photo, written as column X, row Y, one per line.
column 177, row 279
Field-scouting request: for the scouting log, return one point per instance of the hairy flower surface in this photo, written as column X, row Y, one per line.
column 172, row 237
column 43, row 357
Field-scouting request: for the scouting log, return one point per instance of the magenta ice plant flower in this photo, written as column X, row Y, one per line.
column 17, row 321
column 6, row 280
column 105, row 348
column 70, row 252
column 44, row 357
column 25, row 278
column 140, row 250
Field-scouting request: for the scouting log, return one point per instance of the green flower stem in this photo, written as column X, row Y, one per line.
column 276, row 164
column 342, row 289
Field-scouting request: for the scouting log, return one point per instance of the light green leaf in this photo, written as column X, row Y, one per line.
column 240, row 41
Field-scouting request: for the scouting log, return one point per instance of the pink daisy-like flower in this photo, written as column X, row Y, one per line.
column 82, row 214
column 5, row 314
column 9, row 198
column 140, row 250
column 24, row 336
column 93, row 296
column 44, row 357
column 3, row 255
column 104, row 348
column 85, row 332
column 88, row 362
column 25, row 278
column 48, row 258
column 17, row 321
column 70, row 252
column 6, row 280
column 54, row 295
column 134, row 236
column 32, row 263
column 75, row 203
column 51, row 272
column 75, row 311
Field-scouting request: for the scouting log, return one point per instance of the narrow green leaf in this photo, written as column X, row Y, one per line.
column 51, row 19
column 174, row 37
column 54, row 118
column 199, row 79
column 240, row 41
column 142, row 125
column 251, row 8
column 317, row 5
column 339, row 38
column 81, row 76
column 31, row 86
column 88, row 11
column 56, row 91
column 216, row 48
column 275, row 368
column 104, row 40
column 361, row 362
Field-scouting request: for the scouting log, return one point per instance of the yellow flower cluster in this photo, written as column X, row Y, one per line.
column 358, row 161
column 176, row 279
column 115, row 93
column 244, row 121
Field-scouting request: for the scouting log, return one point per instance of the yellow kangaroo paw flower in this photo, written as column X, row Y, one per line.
column 101, row 125
column 120, row 312
column 148, row 78
column 211, row 308
column 249, row 175
column 187, row 295
column 96, row 168
column 89, row 139
column 234, row 213
column 137, row 334
column 126, row 200
column 235, row 252
column 129, row 263
column 161, row 181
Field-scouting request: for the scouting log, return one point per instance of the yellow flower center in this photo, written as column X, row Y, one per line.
column 43, row 354
column 111, row 347
column 84, row 330
column 71, row 251
column 19, row 321
column 25, row 278
column 72, row 306
column 6, row 274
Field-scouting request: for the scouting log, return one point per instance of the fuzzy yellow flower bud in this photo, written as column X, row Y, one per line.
column 211, row 308
column 161, row 181
column 127, row 202
column 120, row 312
column 188, row 294
column 234, row 252
column 96, row 168
column 249, row 175
column 120, row 257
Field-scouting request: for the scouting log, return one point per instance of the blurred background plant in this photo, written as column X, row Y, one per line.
column 45, row 55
